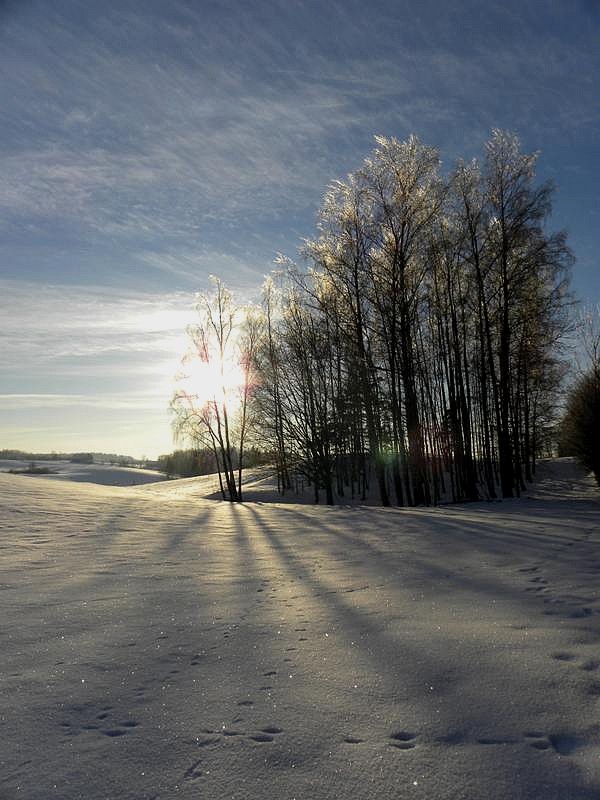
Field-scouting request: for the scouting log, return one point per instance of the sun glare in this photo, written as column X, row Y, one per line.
column 214, row 382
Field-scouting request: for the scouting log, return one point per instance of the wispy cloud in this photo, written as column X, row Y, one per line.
column 149, row 145
column 136, row 402
column 195, row 265
column 218, row 125
column 91, row 337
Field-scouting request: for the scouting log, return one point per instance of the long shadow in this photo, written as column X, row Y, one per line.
column 475, row 709
column 457, row 546
column 461, row 534
column 176, row 618
column 138, row 632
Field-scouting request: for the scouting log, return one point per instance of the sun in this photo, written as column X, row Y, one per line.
column 215, row 382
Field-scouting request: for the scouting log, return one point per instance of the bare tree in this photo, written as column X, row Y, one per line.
column 212, row 400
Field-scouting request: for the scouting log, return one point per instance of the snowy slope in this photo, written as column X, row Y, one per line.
column 158, row 645
column 104, row 474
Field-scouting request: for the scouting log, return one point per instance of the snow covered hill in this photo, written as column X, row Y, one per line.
column 103, row 474
column 155, row 644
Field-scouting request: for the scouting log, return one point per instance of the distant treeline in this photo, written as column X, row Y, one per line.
column 74, row 458
column 190, row 463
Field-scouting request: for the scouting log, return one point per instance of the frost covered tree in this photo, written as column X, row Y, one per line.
column 417, row 351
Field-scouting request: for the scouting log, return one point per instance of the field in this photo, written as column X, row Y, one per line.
column 159, row 644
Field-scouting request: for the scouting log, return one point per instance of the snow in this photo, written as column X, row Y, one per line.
column 157, row 644
column 103, row 474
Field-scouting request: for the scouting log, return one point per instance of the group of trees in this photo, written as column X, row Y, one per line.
column 75, row 458
column 580, row 426
column 416, row 354
column 187, row 463
column 193, row 462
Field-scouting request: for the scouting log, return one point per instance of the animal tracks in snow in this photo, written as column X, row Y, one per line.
column 564, row 744
column 87, row 718
column 564, row 656
column 266, row 734
column 403, row 740
column 564, row 605
column 400, row 739
column 583, row 663
column 214, row 738
column 193, row 772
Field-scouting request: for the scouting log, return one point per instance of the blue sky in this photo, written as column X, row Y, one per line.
column 146, row 145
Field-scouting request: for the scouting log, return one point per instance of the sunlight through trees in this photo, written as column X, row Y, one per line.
column 417, row 353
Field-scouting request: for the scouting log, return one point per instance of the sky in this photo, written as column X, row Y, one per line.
column 147, row 145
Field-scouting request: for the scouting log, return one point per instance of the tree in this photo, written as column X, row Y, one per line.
column 211, row 402
column 580, row 432
column 580, row 426
column 419, row 347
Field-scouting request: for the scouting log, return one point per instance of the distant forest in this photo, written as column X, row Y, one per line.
column 416, row 353
column 76, row 458
column 189, row 463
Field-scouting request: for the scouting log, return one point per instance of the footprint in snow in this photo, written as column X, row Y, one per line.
column 123, row 728
column 207, row 741
column 579, row 613
column 266, row 734
column 193, row 772
column 403, row 740
column 565, row 744
column 591, row 666
column 89, row 719
column 564, row 656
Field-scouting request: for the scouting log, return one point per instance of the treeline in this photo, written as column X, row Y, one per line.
column 416, row 355
column 579, row 432
column 190, row 463
column 580, row 429
column 75, row 458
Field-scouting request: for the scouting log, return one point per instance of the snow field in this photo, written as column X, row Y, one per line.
column 103, row 474
column 160, row 645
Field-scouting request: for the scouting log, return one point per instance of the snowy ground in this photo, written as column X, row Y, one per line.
column 155, row 644
column 103, row 474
